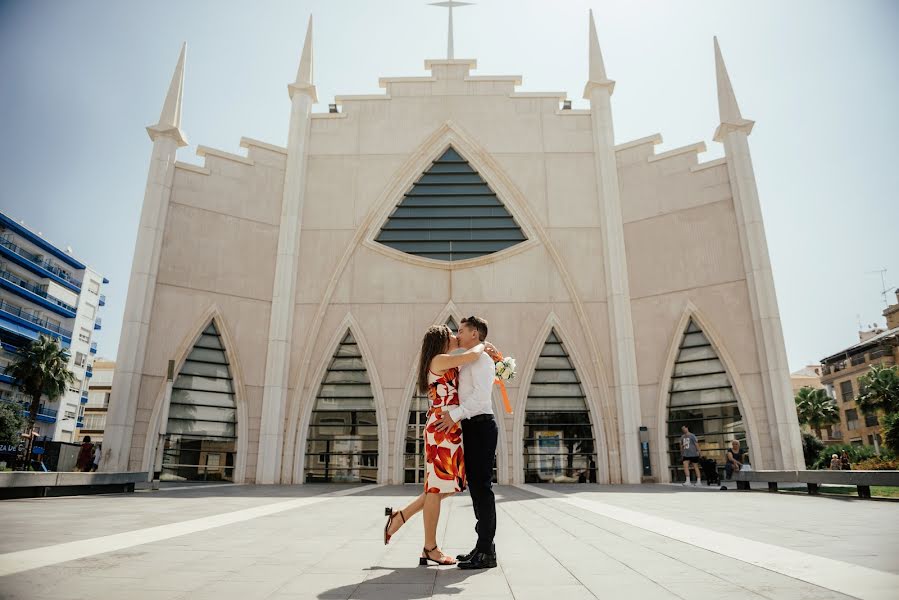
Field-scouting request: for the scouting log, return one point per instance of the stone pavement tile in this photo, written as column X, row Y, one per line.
column 279, row 573
column 539, row 592
column 490, row 582
column 383, row 574
column 320, row 585
column 392, row 591
column 629, row 587
column 229, row 589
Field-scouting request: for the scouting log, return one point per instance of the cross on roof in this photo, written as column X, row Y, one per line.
column 450, row 4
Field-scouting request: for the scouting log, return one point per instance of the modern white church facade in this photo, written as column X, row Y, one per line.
column 277, row 300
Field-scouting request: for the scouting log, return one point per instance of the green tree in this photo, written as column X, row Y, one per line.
column 40, row 369
column 12, row 423
column 881, row 390
column 889, row 428
column 816, row 409
column 881, row 394
column 811, row 448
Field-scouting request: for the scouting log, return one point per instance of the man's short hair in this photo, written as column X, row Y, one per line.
column 477, row 323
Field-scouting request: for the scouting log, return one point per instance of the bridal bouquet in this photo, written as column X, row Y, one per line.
column 505, row 369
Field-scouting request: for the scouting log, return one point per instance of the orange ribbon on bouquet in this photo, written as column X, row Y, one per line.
column 502, row 388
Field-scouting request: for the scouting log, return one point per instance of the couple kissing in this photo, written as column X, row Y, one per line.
column 456, row 372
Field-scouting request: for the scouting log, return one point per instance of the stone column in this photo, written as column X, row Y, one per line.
column 783, row 423
column 167, row 138
column 277, row 362
column 624, row 358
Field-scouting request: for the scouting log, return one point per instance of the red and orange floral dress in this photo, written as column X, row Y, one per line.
column 444, row 457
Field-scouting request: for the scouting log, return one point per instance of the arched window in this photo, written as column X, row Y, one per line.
column 201, row 431
column 702, row 398
column 342, row 445
column 559, row 445
column 450, row 214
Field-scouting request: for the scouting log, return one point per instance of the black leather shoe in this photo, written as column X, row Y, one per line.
column 481, row 560
column 470, row 555
column 466, row 557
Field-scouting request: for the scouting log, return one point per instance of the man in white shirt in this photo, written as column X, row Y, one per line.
column 479, row 436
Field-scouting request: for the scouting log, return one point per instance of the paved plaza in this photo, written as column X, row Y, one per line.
column 553, row 542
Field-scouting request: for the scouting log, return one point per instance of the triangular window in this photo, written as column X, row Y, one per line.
column 450, row 214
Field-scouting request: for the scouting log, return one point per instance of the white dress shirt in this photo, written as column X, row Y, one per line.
column 475, row 389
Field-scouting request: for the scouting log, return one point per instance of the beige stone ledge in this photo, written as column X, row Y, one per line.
column 573, row 112
column 708, row 165
column 690, row 149
column 207, row 151
column 192, row 168
column 246, row 142
column 384, row 81
column 653, row 139
column 514, row 79
column 357, row 97
column 471, row 62
column 328, row 115
column 554, row 95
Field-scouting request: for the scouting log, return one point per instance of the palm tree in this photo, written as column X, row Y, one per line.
column 816, row 409
column 881, row 390
column 40, row 369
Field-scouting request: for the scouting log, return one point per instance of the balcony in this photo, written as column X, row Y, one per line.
column 89, row 371
column 44, row 414
column 38, row 264
column 6, row 359
column 84, row 397
column 32, row 320
column 102, row 301
column 35, row 293
column 93, row 347
column 79, row 423
column 98, row 324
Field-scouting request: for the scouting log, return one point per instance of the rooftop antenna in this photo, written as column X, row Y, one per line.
column 884, row 290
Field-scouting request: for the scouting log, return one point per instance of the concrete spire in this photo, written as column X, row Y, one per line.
column 597, row 75
column 728, row 110
column 303, row 82
column 170, row 118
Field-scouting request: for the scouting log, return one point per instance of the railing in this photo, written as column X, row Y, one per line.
column 89, row 371
column 98, row 324
column 35, row 289
column 102, row 301
column 93, row 347
column 42, row 411
column 18, row 312
column 39, row 261
column 858, row 359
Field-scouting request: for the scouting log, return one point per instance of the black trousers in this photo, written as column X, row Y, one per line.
column 479, row 441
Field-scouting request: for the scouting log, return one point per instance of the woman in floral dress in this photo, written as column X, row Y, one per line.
column 438, row 377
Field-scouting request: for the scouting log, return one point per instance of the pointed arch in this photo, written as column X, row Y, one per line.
column 449, row 138
column 602, row 425
column 212, row 316
column 692, row 315
column 450, row 214
column 516, row 202
column 348, row 326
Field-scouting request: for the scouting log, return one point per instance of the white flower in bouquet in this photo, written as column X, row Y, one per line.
column 505, row 369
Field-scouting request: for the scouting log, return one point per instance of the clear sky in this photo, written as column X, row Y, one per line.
column 81, row 80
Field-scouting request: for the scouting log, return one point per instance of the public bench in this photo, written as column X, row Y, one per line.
column 863, row 480
column 29, row 484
